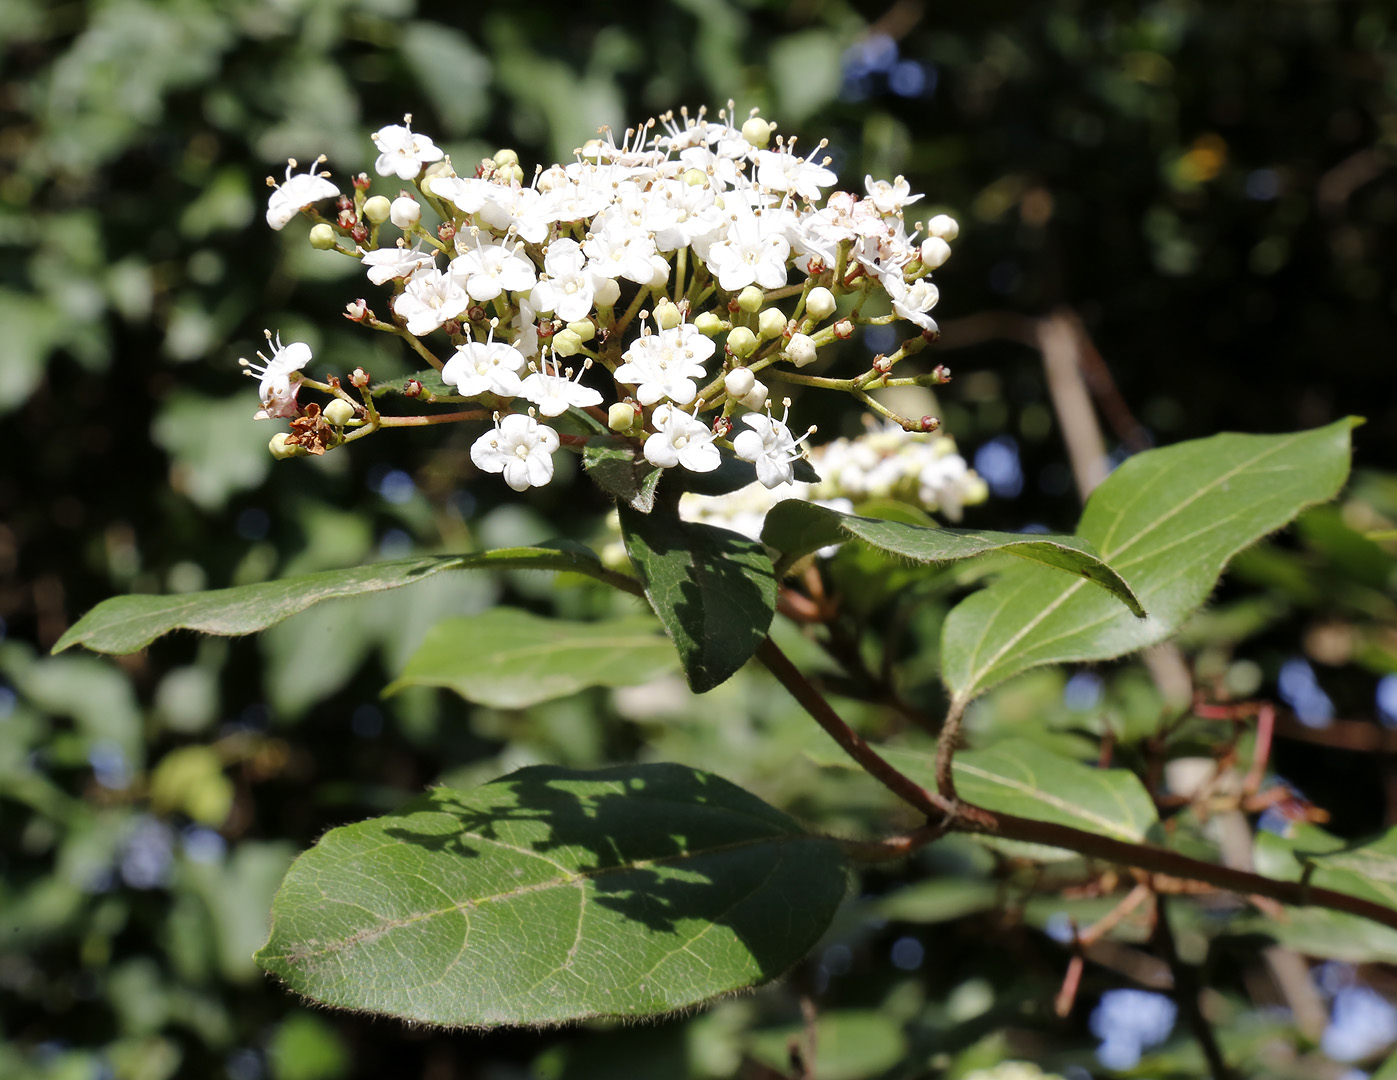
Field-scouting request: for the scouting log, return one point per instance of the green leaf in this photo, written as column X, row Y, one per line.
column 434, row 391
column 1367, row 870
column 714, row 591
column 554, row 894
column 796, row 528
column 1020, row 777
column 124, row 624
column 509, row 659
column 1169, row 520
column 618, row 469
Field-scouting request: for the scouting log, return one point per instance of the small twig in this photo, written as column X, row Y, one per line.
column 946, row 749
column 853, row 744
column 1186, row 992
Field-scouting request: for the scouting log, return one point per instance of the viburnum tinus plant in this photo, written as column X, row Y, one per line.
column 637, row 306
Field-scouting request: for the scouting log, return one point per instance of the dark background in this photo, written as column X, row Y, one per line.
column 1207, row 187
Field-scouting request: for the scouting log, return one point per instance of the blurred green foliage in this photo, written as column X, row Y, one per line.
column 1209, row 186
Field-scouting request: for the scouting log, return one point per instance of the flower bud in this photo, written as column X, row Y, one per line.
column 607, row 292
column 800, row 350
column 584, row 329
column 934, row 252
column 741, row 341
column 751, row 299
column 694, row 177
column 339, row 412
column 322, row 237
column 358, row 311
column 667, row 315
column 943, row 226
column 377, row 209
column 757, row 132
column 592, row 150
column 708, row 324
column 620, row 417
column 771, row 323
column 567, row 343
column 506, row 157
column 436, row 169
column 820, row 303
column 755, row 399
column 405, row 213
column 739, row 382
column 359, row 378
column 280, row 448
column 844, row 329
column 510, row 174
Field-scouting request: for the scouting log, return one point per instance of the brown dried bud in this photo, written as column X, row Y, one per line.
column 881, row 364
column 929, row 423
column 721, row 426
column 310, row 432
column 332, row 381
column 358, row 311
column 359, row 378
column 941, row 373
column 475, row 313
column 362, row 181
column 446, row 231
column 360, row 233
column 347, row 219
column 344, row 202
column 412, row 388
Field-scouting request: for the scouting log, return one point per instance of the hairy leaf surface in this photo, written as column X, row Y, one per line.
column 554, row 894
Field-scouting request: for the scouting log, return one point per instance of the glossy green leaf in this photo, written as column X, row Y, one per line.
column 714, row 590
column 1367, row 870
column 796, row 528
column 124, row 624
column 1022, row 778
column 617, row 467
column 554, row 894
column 509, row 658
column 1168, row 520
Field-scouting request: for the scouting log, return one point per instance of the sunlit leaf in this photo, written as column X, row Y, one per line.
column 553, row 894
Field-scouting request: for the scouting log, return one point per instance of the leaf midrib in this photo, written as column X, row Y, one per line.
column 570, row 878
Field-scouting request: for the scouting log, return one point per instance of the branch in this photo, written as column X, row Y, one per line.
column 1186, row 992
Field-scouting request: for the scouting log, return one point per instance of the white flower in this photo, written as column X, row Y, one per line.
column 618, row 251
column 567, row 286
column 487, row 270
column 783, row 171
column 485, row 367
column 681, row 440
column 750, row 253
column 913, row 301
column 297, row 192
column 401, row 152
column 276, row 389
column 402, row 261
column 771, row 447
column 889, row 198
column 430, row 299
column 555, row 393
column 665, row 365
column 520, row 447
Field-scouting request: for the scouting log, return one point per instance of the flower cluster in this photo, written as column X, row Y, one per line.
column 656, row 283
column 885, row 463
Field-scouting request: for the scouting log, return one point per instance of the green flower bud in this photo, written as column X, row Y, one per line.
column 567, row 343
column 820, row 303
column 771, row 323
column 506, row 157
column 339, row 412
column 512, row 174
column 708, row 324
column 751, row 299
column 667, row 315
column 377, row 209
column 280, row 448
column 758, row 132
column 620, row 417
column 694, row 177
column 322, row 237
column 584, row 329
column 742, row 342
